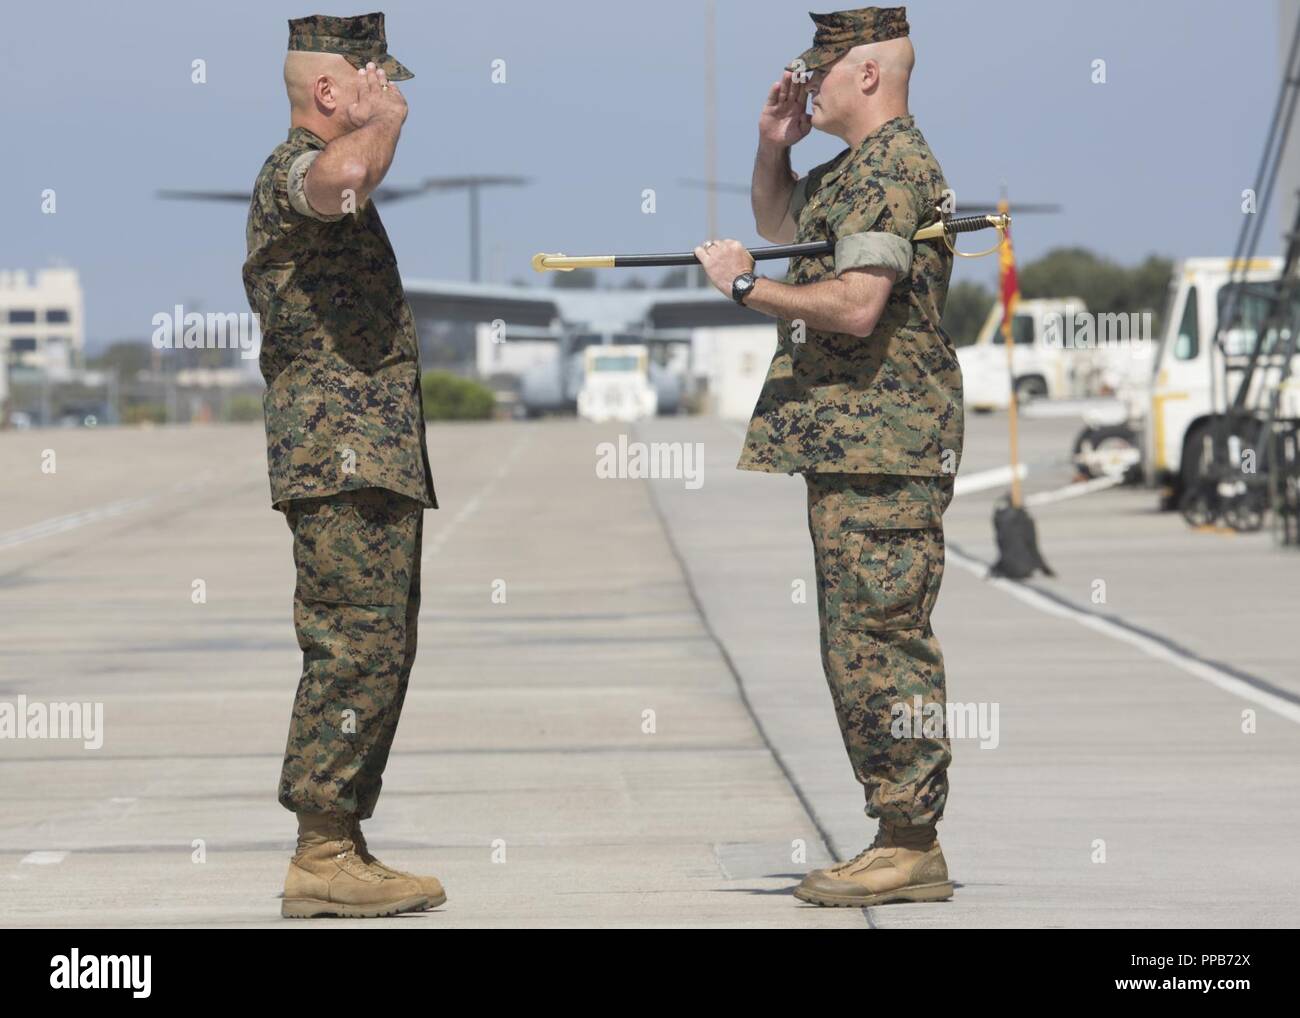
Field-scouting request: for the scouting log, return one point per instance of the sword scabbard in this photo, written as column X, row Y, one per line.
column 944, row 229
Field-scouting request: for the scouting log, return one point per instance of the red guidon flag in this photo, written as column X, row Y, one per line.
column 1010, row 286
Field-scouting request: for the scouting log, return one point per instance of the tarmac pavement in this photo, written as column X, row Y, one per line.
column 617, row 716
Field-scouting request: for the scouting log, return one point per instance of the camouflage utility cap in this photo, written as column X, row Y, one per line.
column 839, row 31
column 359, row 40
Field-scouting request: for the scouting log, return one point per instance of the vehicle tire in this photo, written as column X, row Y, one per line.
column 1194, row 463
column 1245, row 513
column 1199, row 506
column 1030, row 388
column 1097, row 443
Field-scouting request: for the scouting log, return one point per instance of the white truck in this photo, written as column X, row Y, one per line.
column 616, row 384
column 1187, row 387
column 1059, row 351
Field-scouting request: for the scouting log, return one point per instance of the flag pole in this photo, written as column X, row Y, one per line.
column 1010, row 293
column 1013, row 417
column 1013, row 527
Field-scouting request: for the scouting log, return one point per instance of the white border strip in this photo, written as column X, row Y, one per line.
column 73, row 521
column 1073, row 490
column 966, row 484
column 1152, row 648
column 62, row 524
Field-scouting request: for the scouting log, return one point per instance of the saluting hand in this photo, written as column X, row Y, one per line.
column 378, row 98
column 783, row 121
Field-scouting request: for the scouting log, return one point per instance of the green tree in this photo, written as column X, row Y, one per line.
column 144, row 413
column 1102, row 284
column 967, row 307
column 1149, row 287
column 242, row 406
column 449, row 397
column 127, row 356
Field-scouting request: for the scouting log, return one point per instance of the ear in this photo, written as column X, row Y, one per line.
column 326, row 92
column 869, row 76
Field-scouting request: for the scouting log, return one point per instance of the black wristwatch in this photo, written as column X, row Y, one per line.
column 741, row 286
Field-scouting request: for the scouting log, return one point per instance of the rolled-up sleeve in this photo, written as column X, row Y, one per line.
column 872, row 221
column 798, row 198
column 297, row 188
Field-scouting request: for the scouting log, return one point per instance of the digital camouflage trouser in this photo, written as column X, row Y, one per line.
column 356, row 607
column 878, row 546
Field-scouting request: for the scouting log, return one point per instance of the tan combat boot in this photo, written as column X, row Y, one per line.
column 429, row 885
column 327, row 876
column 902, row 864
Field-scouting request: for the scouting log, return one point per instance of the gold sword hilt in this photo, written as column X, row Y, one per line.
column 949, row 228
column 563, row 263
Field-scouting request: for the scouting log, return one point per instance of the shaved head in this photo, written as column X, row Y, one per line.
column 302, row 70
column 321, row 87
column 863, row 89
column 895, row 57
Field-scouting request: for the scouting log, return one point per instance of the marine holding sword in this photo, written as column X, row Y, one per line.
column 864, row 398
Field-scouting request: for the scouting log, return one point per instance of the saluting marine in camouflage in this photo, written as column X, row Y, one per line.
column 349, row 469
column 891, row 405
column 876, row 428
column 340, row 354
column 873, row 420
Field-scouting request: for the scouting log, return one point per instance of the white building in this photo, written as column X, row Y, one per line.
column 735, row 360
column 527, row 347
column 42, row 321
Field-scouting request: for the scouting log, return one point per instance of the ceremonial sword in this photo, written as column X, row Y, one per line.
column 943, row 228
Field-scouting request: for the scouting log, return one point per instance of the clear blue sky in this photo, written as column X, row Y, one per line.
column 603, row 100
